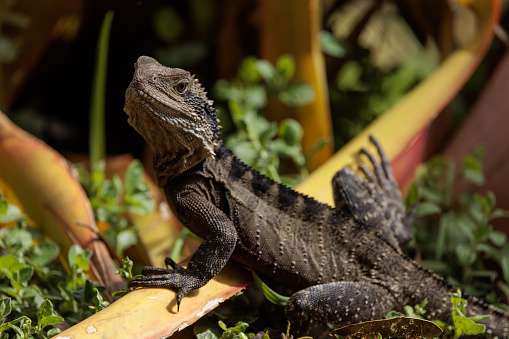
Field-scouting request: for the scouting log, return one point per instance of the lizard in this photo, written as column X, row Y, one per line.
column 344, row 263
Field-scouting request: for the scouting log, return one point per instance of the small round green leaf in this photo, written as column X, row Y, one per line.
column 297, row 94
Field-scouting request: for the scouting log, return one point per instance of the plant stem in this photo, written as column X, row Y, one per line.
column 97, row 130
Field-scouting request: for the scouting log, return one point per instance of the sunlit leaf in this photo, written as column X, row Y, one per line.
column 330, row 45
column 428, row 208
column 297, row 94
column 44, row 253
column 248, row 71
column 466, row 326
column 285, row 65
column 11, row 213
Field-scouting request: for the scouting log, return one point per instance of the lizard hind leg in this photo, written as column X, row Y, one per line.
column 401, row 221
column 338, row 303
column 375, row 201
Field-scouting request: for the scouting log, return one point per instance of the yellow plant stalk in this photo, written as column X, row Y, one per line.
column 42, row 181
column 293, row 28
column 402, row 129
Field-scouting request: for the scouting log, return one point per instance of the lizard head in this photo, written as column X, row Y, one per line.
column 170, row 109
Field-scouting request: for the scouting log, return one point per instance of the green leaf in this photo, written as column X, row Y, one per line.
column 504, row 261
column 24, row 275
column 480, row 317
column 224, row 91
column 126, row 270
column 269, row 293
column 53, row 332
column 5, row 308
column 245, row 150
column 482, row 233
column 498, row 238
column 331, row 46
column 140, row 203
column 248, row 71
column 465, row 326
column 19, row 238
column 10, row 213
column 205, row 329
column 45, row 310
column 3, row 204
column 266, row 70
column 472, row 162
column 428, row 208
column 51, row 320
column 222, row 325
column 72, row 254
column 78, row 257
column 465, row 254
column 297, row 94
column 9, row 263
column 82, row 262
column 285, row 65
column 349, row 78
column 291, row 131
column 474, row 176
column 125, row 239
column 88, row 292
column 412, row 196
column 255, row 96
column 98, row 302
column 280, row 147
column 133, row 177
column 44, row 253
column 267, row 133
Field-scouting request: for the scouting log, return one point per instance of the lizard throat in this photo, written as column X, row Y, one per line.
column 177, row 144
column 204, row 135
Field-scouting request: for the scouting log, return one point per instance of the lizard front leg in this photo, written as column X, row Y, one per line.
column 195, row 211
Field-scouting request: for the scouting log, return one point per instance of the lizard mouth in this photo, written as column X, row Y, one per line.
column 135, row 94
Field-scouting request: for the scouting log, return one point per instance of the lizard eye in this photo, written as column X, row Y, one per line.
column 181, row 87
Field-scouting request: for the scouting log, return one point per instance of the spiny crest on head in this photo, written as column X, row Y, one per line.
column 209, row 111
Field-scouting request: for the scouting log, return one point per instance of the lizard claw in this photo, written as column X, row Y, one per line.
column 176, row 278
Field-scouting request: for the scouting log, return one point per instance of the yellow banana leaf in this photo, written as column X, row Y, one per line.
column 402, row 130
column 152, row 312
column 42, row 181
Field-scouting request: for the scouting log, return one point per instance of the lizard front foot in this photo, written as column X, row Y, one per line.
column 176, row 278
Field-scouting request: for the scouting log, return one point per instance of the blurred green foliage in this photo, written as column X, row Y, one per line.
column 261, row 144
column 170, row 26
column 457, row 240
column 111, row 199
column 33, row 286
column 361, row 90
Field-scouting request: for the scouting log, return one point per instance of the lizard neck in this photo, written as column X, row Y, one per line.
column 174, row 159
column 174, row 150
